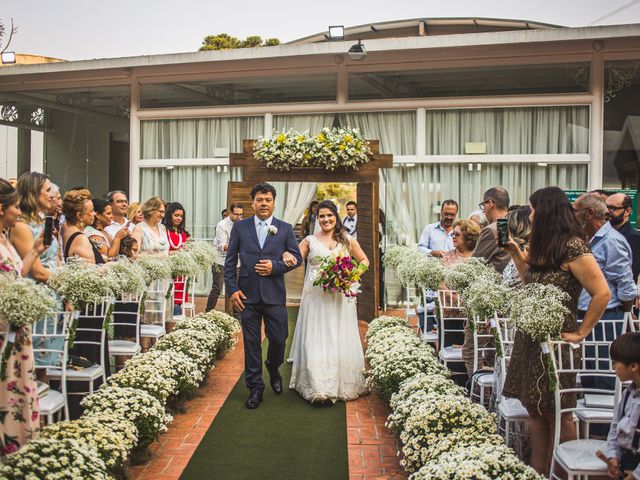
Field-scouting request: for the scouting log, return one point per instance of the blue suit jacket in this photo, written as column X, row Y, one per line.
column 243, row 244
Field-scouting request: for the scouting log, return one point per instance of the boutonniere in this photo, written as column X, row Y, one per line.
column 273, row 230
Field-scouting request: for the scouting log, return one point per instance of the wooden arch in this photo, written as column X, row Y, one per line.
column 367, row 177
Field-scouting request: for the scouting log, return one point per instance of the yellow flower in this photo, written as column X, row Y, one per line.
column 281, row 138
column 348, row 138
column 300, row 138
column 341, row 147
column 320, row 137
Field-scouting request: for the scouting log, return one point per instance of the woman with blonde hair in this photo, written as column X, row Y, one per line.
column 151, row 234
column 78, row 211
column 134, row 213
column 34, row 191
column 464, row 235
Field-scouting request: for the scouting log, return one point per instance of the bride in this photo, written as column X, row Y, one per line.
column 328, row 362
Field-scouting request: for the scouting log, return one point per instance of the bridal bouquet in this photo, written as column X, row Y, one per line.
column 340, row 274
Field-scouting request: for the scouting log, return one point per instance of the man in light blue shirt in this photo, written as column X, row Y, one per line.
column 612, row 252
column 436, row 237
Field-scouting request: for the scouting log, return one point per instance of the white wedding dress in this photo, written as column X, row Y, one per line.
column 328, row 361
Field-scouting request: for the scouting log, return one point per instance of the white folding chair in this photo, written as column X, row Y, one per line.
column 483, row 382
column 125, row 322
column 155, row 313
column 512, row 415
column 578, row 457
column 50, row 339
column 598, row 408
column 90, row 332
column 189, row 307
column 451, row 331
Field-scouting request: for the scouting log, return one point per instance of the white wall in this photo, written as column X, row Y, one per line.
column 8, row 151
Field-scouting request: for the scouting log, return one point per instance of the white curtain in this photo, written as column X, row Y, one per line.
column 197, row 138
column 535, row 130
column 423, row 187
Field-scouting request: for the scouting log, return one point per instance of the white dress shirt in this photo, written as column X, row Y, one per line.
column 435, row 237
column 351, row 224
column 115, row 227
column 223, row 232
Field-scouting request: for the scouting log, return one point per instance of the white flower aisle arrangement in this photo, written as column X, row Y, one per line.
column 59, row 460
column 81, row 283
column 204, row 254
column 395, row 254
column 197, row 345
column 183, row 264
column 133, row 405
column 211, row 322
column 156, row 267
column 421, row 271
column 461, row 275
column 415, row 390
column 112, row 438
column 383, row 322
column 127, row 277
column 155, row 379
column 478, row 462
column 438, row 416
column 483, row 300
column 329, row 149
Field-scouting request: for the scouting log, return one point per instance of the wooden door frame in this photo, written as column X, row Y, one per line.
column 367, row 178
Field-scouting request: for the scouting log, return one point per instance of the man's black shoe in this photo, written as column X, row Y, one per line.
column 254, row 400
column 276, row 384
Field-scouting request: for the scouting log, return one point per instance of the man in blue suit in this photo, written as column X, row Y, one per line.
column 260, row 242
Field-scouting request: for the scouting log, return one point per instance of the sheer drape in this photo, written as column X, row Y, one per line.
column 537, row 130
column 423, row 187
column 197, row 138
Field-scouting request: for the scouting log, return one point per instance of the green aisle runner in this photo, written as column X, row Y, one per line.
column 285, row 438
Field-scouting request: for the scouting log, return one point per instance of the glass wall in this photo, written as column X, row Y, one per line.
column 475, row 81
column 621, row 156
column 240, row 91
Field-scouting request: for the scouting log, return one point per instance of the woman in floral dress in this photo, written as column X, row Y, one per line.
column 18, row 392
column 558, row 255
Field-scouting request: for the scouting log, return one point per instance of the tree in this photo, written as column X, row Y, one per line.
column 12, row 31
column 224, row 41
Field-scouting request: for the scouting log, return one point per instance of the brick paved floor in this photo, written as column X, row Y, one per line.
column 371, row 447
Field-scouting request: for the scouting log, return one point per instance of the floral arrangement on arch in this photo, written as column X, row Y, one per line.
column 330, row 149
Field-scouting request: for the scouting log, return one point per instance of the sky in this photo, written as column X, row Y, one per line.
column 86, row 29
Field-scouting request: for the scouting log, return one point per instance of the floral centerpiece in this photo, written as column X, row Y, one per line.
column 61, row 459
column 81, row 283
column 329, row 149
column 131, row 404
column 204, row 254
column 127, row 277
column 461, row 275
column 156, row 267
column 340, row 273
column 112, row 437
column 395, row 254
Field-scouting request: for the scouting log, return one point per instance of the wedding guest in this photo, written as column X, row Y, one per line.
column 464, row 236
column 129, row 248
column 177, row 235
column 350, row 222
column 119, row 206
column 150, row 234
column 436, row 237
column 310, row 221
column 620, row 210
column 221, row 242
column 13, row 182
column 34, row 190
column 78, row 211
column 134, row 213
column 107, row 246
column 18, row 390
column 478, row 218
column 224, row 213
column 519, row 228
column 559, row 256
column 495, row 205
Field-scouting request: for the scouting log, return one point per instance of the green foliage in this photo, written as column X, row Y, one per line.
column 224, row 41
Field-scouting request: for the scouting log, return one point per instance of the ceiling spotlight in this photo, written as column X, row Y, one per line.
column 357, row 51
column 8, row 58
column 336, row 32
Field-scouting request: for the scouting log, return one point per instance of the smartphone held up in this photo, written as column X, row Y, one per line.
column 503, row 232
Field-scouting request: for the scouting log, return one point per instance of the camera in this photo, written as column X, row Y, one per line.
column 357, row 51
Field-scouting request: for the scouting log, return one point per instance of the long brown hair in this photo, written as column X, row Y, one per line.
column 28, row 187
column 554, row 224
column 339, row 232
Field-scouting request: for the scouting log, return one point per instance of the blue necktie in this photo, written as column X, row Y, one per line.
column 262, row 233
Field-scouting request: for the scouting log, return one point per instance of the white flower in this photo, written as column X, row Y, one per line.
column 272, row 230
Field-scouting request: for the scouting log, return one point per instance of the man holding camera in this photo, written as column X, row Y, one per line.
column 495, row 205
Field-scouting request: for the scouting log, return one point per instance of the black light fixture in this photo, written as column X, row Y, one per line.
column 8, row 58
column 336, row 33
column 357, row 51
